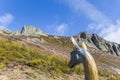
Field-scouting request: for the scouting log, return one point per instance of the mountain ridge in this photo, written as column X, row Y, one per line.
column 31, row 55
column 98, row 42
column 29, row 30
column 93, row 40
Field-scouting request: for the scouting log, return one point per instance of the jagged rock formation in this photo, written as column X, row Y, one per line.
column 91, row 40
column 29, row 31
column 16, row 33
column 4, row 31
column 99, row 43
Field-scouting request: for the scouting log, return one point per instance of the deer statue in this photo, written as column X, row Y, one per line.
column 81, row 55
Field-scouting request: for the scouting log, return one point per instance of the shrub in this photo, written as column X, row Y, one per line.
column 34, row 62
column 14, row 52
column 2, row 65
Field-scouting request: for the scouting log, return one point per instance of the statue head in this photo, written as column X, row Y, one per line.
column 78, row 54
column 76, row 58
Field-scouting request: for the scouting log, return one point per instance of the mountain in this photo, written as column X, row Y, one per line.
column 99, row 43
column 91, row 40
column 29, row 30
column 27, row 55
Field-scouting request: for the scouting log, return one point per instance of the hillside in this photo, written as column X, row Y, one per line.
column 97, row 42
column 46, row 57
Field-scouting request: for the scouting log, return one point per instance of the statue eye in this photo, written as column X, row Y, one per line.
column 77, row 56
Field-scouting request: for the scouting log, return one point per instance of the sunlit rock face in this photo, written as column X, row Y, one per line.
column 5, row 31
column 97, row 42
column 31, row 30
column 16, row 33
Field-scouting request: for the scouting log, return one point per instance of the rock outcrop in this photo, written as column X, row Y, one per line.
column 16, row 33
column 5, row 31
column 99, row 43
column 29, row 31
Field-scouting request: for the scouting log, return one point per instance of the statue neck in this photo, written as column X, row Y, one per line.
column 90, row 68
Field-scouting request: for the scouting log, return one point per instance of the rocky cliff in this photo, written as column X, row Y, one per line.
column 99, row 43
column 29, row 31
column 93, row 40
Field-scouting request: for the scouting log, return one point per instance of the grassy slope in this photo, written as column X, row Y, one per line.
column 16, row 53
column 12, row 52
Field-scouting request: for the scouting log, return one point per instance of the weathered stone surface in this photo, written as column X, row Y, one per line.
column 31, row 30
column 116, row 49
column 85, row 37
column 4, row 31
column 97, row 42
column 16, row 33
column 110, row 48
column 36, row 40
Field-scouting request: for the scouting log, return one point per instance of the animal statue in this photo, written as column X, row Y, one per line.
column 81, row 55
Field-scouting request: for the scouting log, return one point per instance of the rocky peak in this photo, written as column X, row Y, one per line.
column 16, row 33
column 97, row 42
column 29, row 30
column 84, row 35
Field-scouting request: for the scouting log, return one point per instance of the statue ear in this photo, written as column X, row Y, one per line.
column 75, row 43
column 84, row 46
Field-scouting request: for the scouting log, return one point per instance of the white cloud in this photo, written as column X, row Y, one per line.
column 5, row 20
column 2, row 27
column 112, row 32
column 88, row 9
column 61, row 29
column 100, row 22
column 57, row 29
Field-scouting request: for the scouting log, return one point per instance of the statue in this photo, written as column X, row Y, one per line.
column 81, row 55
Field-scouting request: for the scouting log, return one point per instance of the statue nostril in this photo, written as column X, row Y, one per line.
column 70, row 65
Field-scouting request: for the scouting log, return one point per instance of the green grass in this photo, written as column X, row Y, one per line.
column 108, row 75
column 64, row 42
column 12, row 52
column 2, row 66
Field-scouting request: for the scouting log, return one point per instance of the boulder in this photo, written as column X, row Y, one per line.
column 41, row 40
column 86, row 38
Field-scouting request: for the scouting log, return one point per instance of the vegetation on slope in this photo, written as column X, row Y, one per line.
column 12, row 52
column 60, row 41
column 16, row 53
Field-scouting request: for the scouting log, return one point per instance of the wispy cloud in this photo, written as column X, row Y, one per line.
column 5, row 20
column 100, row 22
column 98, row 19
column 57, row 29
column 61, row 29
column 88, row 9
column 112, row 33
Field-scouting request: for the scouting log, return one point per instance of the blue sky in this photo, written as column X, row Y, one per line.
column 63, row 17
